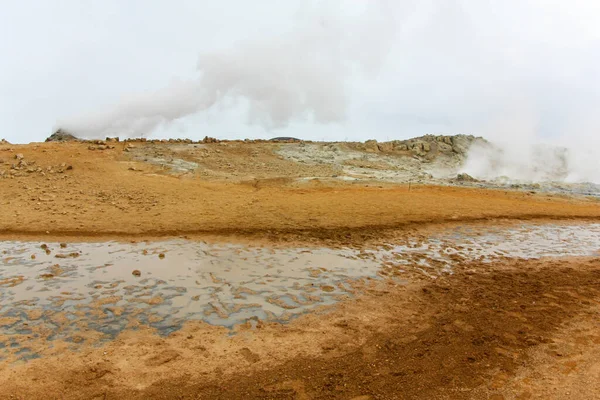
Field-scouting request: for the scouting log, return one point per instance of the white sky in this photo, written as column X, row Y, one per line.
column 509, row 68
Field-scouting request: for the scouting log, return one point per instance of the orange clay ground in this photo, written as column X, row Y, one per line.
column 508, row 330
column 107, row 194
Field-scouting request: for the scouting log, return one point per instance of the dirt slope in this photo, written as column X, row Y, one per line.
column 67, row 189
column 511, row 330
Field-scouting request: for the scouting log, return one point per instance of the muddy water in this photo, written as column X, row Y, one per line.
column 87, row 292
column 488, row 244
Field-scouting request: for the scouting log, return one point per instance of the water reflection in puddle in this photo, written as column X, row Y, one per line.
column 94, row 284
column 488, row 244
column 88, row 292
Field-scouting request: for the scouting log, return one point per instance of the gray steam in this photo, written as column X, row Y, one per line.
column 300, row 75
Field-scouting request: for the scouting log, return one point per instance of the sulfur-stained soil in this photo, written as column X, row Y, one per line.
column 509, row 329
column 65, row 189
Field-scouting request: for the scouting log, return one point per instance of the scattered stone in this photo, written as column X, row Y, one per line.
column 72, row 255
column 210, row 140
column 44, row 246
column 249, row 355
column 63, row 245
column 371, row 146
column 465, row 178
column 136, row 272
column 385, row 147
column 33, row 256
column 161, row 255
column 19, row 156
column 46, row 276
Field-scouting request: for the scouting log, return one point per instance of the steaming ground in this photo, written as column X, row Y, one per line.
column 531, row 163
column 82, row 188
column 327, row 270
column 465, row 160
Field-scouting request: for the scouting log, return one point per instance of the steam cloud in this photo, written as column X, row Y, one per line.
column 510, row 72
column 296, row 76
column 516, row 152
column 533, row 162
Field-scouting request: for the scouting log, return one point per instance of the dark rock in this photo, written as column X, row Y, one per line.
column 62, row 136
column 465, row 178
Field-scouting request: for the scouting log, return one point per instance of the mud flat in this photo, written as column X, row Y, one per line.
column 89, row 293
column 288, row 270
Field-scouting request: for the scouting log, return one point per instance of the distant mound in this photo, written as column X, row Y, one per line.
column 4, row 141
column 285, row 139
column 62, row 136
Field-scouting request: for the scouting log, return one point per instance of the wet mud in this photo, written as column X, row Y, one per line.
column 89, row 293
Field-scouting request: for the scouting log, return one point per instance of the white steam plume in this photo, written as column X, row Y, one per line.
column 518, row 153
column 533, row 162
column 295, row 76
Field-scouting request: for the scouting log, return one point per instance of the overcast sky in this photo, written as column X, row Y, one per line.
column 385, row 70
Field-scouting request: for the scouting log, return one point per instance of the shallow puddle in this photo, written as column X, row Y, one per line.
column 488, row 244
column 90, row 292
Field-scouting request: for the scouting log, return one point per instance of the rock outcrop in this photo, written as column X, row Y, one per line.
column 62, row 136
column 465, row 178
column 427, row 146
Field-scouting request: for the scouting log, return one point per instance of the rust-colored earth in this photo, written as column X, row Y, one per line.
column 108, row 193
column 509, row 330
